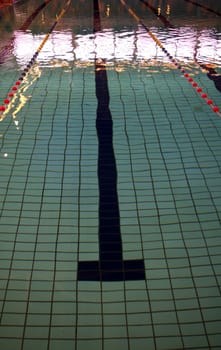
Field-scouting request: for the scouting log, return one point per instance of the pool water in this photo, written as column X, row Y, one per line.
column 110, row 162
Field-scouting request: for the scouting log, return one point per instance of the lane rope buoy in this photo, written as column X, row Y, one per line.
column 14, row 89
column 186, row 75
column 211, row 73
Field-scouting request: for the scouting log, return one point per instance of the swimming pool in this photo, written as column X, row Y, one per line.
column 110, row 175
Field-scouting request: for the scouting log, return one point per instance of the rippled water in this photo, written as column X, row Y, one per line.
column 184, row 43
column 112, row 170
column 187, row 39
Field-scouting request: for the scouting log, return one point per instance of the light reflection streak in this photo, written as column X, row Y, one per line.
column 119, row 48
column 20, row 99
column 114, row 46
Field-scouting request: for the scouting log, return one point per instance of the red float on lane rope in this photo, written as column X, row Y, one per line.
column 32, row 61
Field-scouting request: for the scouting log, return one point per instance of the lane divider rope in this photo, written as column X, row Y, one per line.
column 16, row 86
column 7, row 49
column 194, row 84
column 211, row 73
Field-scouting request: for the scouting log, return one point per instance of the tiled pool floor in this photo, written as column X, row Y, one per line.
column 166, row 147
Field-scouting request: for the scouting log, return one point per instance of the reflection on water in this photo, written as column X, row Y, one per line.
column 59, row 46
column 21, row 97
column 188, row 32
column 185, row 43
column 121, row 42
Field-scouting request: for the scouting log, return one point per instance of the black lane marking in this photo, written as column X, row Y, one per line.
column 161, row 17
column 111, row 266
column 29, row 20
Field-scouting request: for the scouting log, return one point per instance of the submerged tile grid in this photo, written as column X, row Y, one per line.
column 173, row 143
column 166, row 145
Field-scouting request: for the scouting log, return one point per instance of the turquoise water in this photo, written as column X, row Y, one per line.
column 165, row 144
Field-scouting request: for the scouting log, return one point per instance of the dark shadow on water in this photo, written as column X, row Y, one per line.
column 213, row 75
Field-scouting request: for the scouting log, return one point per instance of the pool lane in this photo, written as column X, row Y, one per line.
column 173, row 60
column 6, row 51
column 211, row 72
column 7, row 101
column 111, row 266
